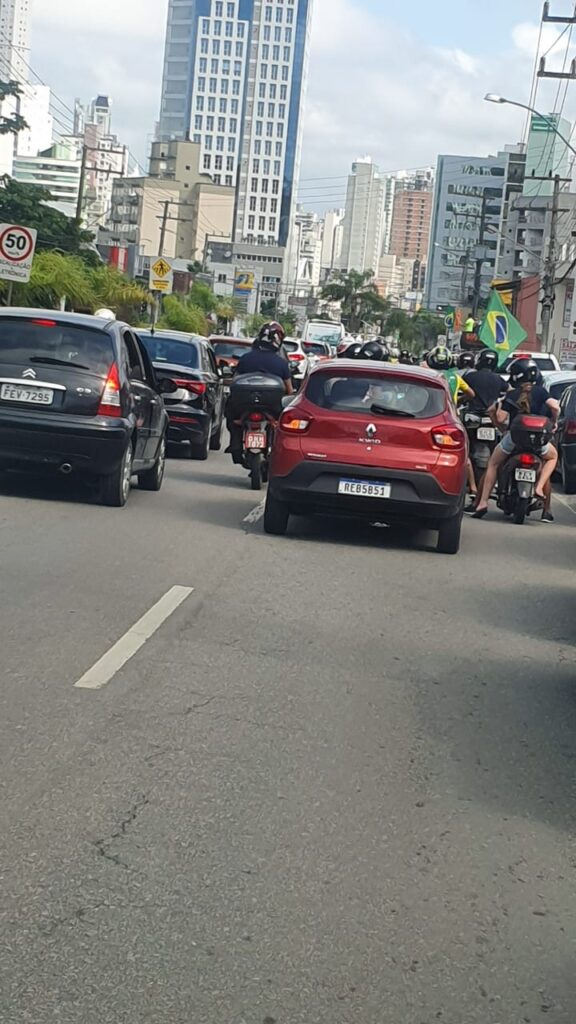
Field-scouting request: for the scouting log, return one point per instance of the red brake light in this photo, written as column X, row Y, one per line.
column 527, row 460
column 448, row 438
column 110, row 402
column 197, row 387
column 44, row 323
column 296, row 357
column 255, row 417
column 570, row 427
column 292, row 425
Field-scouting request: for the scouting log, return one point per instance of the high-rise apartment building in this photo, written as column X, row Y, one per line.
column 410, row 230
column 365, row 219
column 15, row 30
column 234, row 80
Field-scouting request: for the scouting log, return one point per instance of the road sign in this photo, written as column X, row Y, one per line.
column 161, row 276
column 17, row 246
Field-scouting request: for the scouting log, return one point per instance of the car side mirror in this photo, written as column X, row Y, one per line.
column 166, row 386
column 227, row 372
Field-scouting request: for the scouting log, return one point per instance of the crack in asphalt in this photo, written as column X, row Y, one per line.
column 103, row 845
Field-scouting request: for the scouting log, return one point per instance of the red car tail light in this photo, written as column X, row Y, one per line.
column 527, row 460
column 110, row 404
column 292, row 425
column 44, row 323
column 182, row 419
column 196, row 387
column 570, row 427
column 296, row 357
column 448, row 438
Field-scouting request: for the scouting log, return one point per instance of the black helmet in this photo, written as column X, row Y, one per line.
column 440, row 358
column 487, row 360
column 465, row 361
column 405, row 357
column 352, row 351
column 523, row 371
column 271, row 336
column 374, row 350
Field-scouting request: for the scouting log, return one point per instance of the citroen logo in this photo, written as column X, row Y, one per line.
column 29, row 374
column 371, row 430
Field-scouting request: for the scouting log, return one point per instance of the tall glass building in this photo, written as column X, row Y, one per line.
column 234, row 82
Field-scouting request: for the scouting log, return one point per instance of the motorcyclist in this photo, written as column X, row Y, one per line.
column 440, row 359
column 405, row 357
column 465, row 362
column 486, row 381
column 263, row 357
column 351, row 351
column 394, row 353
column 525, row 397
column 375, row 350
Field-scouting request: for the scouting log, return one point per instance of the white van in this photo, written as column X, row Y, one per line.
column 324, row 330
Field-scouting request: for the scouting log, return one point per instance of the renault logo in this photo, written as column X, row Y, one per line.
column 371, row 430
column 30, row 374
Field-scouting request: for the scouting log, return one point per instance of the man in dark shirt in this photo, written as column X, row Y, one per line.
column 486, row 383
column 263, row 358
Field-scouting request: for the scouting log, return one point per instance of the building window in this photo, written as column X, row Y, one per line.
column 282, row 111
column 263, row 204
column 224, row 86
column 254, row 185
column 233, row 106
column 287, row 54
column 274, row 72
column 221, row 124
column 209, row 124
column 262, row 90
column 239, row 49
column 240, row 30
column 290, row 16
column 208, row 142
column 229, row 10
column 260, row 110
column 221, row 278
column 272, row 224
column 213, row 84
column 231, row 145
column 205, row 26
column 288, row 35
column 263, row 71
column 280, row 130
column 220, row 143
column 202, row 65
column 253, row 203
column 279, row 14
column 223, row 106
column 276, row 53
column 218, row 163
column 197, row 138
column 279, row 149
column 275, row 187
column 265, row 184
column 262, row 223
column 204, row 45
column 207, row 161
column 258, row 127
column 217, row 28
column 201, row 85
column 277, row 34
column 273, row 206
column 198, row 122
column 216, row 178
column 255, row 167
column 199, row 103
column 214, row 64
column 229, row 180
column 269, row 128
column 251, row 223
column 266, row 167
column 268, row 14
column 283, row 92
column 267, row 33
column 225, row 67
column 268, row 148
column 265, row 52
column 257, row 147
column 271, row 110
column 219, row 11
column 211, row 104
column 272, row 92
column 229, row 163
column 277, row 168
column 229, row 28
column 236, row 86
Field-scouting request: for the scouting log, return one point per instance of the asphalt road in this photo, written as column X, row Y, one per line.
column 336, row 786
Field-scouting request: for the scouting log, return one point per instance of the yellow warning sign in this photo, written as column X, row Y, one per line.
column 158, row 285
column 161, row 268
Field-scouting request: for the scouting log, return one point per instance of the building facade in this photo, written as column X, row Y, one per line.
column 546, row 153
column 332, row 241
column 234, row 81
column 15, row 32
column 468, row 203
column 410, row 231
column 364, row 224
column 58, row 170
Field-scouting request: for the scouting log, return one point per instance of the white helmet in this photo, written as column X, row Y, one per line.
column 106, row 314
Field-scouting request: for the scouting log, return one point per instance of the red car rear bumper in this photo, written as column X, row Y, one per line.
column 313, row 487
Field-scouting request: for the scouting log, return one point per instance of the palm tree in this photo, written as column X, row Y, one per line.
column 228, row 309
column 358, row 296
column 57, row 278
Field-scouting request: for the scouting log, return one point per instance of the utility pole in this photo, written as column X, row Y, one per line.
column 81, row 185
column 549, row 295
column 479, row 262
column 164, row 227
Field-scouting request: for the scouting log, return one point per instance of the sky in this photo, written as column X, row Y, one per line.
column 399, row 81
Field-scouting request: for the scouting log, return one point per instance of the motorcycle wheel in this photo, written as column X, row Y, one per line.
column 256, row 472
column 521, row 510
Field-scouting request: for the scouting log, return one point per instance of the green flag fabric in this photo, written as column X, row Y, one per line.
column 501, row 331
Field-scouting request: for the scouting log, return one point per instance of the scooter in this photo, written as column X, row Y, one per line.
column 254, row 407
column 518, row 475
column 483, row 438
column 257, row 438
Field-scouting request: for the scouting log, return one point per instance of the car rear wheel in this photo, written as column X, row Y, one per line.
column 568, row 478
column 276, row 516
column 151, row 479
column 449, row 536
column 199, row 451
column 115, row 487
column 216, row 439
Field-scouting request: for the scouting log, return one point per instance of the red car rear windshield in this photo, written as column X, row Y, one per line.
column 357, row 393
column 27, row 342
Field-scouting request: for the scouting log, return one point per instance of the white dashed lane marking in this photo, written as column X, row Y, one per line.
column 110, row 663
column 256, row 513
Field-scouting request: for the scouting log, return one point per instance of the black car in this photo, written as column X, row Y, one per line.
column 196, row 409
column 79, row 394
column 566, row 440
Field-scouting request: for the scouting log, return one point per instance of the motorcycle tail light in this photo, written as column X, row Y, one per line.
column 527, row 460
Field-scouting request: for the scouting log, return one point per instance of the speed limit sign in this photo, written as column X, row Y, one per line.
column 17, row 245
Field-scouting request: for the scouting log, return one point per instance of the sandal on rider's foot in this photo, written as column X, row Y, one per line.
column 478, row 513
column 547, row 517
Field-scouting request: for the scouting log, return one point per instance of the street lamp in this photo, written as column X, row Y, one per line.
column 492, row 97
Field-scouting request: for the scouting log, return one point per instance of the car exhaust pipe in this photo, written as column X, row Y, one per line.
column 66, row 468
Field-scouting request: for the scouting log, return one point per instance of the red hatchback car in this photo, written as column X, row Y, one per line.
column 372, row 441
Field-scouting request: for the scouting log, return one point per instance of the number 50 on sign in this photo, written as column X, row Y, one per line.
column 17, row 246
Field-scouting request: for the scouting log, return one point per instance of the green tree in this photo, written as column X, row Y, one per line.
column 179, row 315
column 253, row 323
column 358, row 296
column 26, row 204
column 401, row 324
column 118, row 292
column 228, row 309
column 202, row 296
column 427, row 327
column 14, row 123
column 57, row 278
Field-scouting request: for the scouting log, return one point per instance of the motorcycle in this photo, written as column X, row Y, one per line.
column 254, row 407
column 518, row 475
column 483, row 438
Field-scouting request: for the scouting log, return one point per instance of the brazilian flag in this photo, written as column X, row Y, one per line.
column 501, row 331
